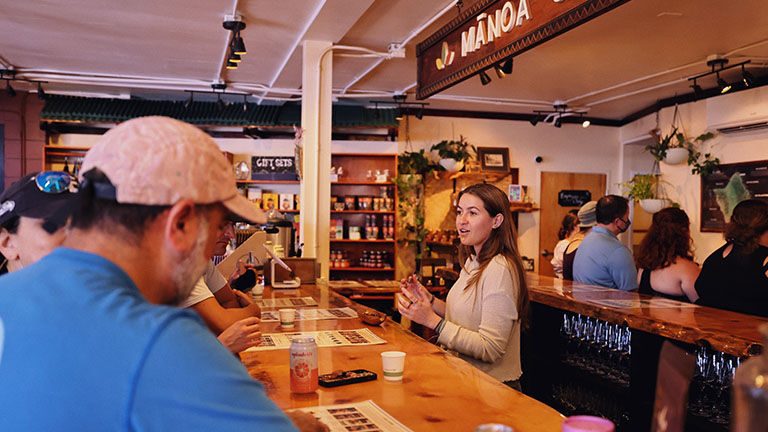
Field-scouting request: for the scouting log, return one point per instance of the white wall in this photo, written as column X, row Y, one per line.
column 697, row 118
column 567, row 149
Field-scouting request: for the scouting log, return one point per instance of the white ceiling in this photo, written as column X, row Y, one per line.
column 614, row 65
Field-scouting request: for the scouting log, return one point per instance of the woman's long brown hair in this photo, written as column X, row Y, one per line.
column 668, row 238
column 502, row 240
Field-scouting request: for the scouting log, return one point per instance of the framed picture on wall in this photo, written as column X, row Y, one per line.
column 493, row 158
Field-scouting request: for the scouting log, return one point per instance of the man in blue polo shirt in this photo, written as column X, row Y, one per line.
column 82, row 347
column 601, row 258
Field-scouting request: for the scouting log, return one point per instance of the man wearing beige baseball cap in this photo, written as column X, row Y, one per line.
column 79, row 334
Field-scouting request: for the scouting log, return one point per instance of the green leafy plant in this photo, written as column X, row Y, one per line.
column 460, row 150
column 700, row 163
column 414, row 163
column 642, row 186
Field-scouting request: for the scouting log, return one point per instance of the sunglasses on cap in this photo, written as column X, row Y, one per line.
column 54, row 182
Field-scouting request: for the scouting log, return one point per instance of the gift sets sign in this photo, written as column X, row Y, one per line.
column 490, row 31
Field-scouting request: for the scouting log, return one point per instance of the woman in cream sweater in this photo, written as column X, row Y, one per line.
column 483, row 314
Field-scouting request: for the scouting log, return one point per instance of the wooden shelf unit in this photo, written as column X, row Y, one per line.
column 56, row 157
column 355, row 182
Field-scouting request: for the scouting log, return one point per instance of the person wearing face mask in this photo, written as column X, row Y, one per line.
column 486, row 308
column 601, row 258
column 32, row 218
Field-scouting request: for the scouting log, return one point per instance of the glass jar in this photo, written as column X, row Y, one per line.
column 750, row 392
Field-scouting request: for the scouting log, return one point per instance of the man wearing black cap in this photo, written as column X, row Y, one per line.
column 32, row 215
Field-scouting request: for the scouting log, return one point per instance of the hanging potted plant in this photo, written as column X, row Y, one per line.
column 453, row 154
column 645, row 189
column 670, row 149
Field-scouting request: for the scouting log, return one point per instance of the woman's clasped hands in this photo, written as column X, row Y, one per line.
column 415, row 303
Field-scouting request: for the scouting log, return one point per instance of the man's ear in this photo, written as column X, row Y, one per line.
column 180, row 227
column 8, row 245
column 497, row 220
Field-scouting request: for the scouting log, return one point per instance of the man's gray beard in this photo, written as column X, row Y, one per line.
column 191, row 266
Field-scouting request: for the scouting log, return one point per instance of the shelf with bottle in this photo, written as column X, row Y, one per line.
column 362, row 260
column 268, row 182
column 363, row 208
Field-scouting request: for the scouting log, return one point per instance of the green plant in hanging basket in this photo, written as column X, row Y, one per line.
column 642, row 186
column 702, row 164
column 460, row 150
column 659, row 149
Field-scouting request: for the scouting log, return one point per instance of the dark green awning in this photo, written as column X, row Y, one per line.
column 79, row 109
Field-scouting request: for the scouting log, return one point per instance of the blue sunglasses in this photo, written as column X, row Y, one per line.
column 53, row 182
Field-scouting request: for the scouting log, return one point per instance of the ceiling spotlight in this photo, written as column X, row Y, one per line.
column 558, row 122
column 231, row 65
column 724, row 86
column 420, row 113
column 234, row 58
column 235, row 26
column 11, row 92
column 586, row 123
column 40, row 92
column 535, row 119
column 499, row 73
column 238, row 47
column 747, row 77
column 484, row 78
column 507, row 66
column 398, row 114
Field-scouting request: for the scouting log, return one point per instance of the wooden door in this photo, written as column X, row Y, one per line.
column 552, row 213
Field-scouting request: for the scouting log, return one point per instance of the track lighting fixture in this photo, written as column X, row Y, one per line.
column 555, row 117
column 10, row 75
column 499, row 73
column 724, row 86
column 236, row 44
column 718, row 64
column 403, row 108
column 484, row 78
column 506, row 67
column 747, row 77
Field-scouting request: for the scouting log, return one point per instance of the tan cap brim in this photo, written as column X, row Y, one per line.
column 245, row 209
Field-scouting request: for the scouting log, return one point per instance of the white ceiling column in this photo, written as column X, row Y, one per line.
column 316, row 108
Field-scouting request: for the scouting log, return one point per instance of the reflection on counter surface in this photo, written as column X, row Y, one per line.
column 601, row 350
column 437, row 390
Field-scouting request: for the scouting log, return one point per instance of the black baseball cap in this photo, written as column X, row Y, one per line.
column 34, row 197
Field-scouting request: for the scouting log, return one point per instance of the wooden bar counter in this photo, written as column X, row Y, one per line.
column 728, row 332
column 438, row 390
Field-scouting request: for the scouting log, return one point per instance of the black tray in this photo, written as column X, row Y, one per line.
column 346, row 377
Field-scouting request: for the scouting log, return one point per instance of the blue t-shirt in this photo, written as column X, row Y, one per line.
column 602, row 259
column 83, row 350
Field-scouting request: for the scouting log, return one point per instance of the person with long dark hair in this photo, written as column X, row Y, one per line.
column 735, row 277
column 664, row 261
column 486, row 308
column 569, row 227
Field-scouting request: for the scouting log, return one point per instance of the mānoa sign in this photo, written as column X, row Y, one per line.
column 492, row 30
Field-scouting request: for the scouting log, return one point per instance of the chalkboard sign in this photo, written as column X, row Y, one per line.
column 573, row 198
column 273, row 168
column 754, row 176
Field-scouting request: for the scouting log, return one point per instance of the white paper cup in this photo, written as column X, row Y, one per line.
column 393, row 363
column 287, row 317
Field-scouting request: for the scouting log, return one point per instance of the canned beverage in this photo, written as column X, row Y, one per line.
column 303, row 354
